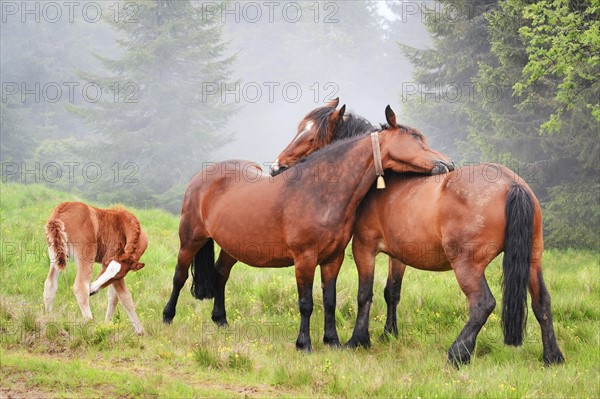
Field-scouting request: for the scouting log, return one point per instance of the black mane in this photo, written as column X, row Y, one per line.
column 320, row 118
column 351, row 128
column 352, row 125
column 336, row 149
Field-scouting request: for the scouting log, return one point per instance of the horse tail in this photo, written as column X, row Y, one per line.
column 204, row 276
column 518, row 238
column 56, row 237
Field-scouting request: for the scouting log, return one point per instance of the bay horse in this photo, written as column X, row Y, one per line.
column 112, row 237
column 459, row 221
column 241, row 209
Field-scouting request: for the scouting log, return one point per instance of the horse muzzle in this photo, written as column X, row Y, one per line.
column 277, row 169
column 442, row 167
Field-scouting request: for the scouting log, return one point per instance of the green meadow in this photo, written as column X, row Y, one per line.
column 59, row 355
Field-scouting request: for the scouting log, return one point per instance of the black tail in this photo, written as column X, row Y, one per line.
column 204, row 277
column 518, row 237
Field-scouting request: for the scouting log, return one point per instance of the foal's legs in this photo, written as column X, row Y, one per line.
column 481, row 304
column 305, row 274
column 81, row 287
column 392, row 296
column 540, row 303
column 364, row 256
column 329, row 273
column 50, row 287
column 113, row 299
column 184, row 260
column 125, row 298
column 223, row 268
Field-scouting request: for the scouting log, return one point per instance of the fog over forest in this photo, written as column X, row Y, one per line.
column 304, row 73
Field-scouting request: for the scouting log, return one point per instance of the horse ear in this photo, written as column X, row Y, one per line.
column 333, row 103
column 390, row 116
column 337, row 115
column 137, row 266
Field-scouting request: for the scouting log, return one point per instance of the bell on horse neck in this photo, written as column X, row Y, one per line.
column 380, row 183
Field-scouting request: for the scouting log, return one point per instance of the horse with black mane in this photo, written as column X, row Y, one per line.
column 303, row 218
column 459, row 221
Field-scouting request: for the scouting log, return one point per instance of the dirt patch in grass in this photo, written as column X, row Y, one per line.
column 16, row 382
column 14, row 385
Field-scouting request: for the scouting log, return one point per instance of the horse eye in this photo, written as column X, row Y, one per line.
column 415, row 135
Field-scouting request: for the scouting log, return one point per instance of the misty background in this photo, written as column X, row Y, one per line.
column 123, row 102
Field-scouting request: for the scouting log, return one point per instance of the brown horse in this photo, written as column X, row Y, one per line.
column 242, row 210
column 112, row 237
column 459, row 221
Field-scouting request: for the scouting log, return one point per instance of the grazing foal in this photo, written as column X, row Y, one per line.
column 112, row 237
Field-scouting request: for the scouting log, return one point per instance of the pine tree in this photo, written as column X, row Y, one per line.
column 444, row 84
column 549, row 58
column 539, row 62
column 161, row 112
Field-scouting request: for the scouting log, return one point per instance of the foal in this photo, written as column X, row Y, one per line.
column 112, row 237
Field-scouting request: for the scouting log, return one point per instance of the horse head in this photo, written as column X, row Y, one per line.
column 315, row 131
column 116, row 269
column 404, row 149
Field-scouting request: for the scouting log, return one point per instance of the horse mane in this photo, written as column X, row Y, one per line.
column 352, row 128
column 320, row 118
column 384, row 126
column 353, row 125
column 333, row 148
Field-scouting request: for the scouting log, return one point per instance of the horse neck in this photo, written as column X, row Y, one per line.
column 354, row 172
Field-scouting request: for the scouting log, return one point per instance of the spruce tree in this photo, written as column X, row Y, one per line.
column 161, row 112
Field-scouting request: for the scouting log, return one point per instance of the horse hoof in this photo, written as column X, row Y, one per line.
column 459, row 359
column 303, row 344
column 220, row 321
column 333, row 343
column 387, row 336
column 303, row 348
column 168, row 319
column 358, row 342
column 555, row 358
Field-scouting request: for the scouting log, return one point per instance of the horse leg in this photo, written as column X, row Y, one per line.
column 184, row 260
column 223, row 268
column 113, row 299
column 81, row 287
column 364, row 256
column 392, row 296
column 329, row 273
column 125, row 297
column 50, row 287
column 481, row 304
column 305, row 274
column 540, row 303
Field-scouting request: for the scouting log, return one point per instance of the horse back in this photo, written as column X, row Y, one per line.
column 426, row 221
column 100, row 234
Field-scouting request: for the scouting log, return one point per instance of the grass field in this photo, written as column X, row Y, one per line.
column 58, row 355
